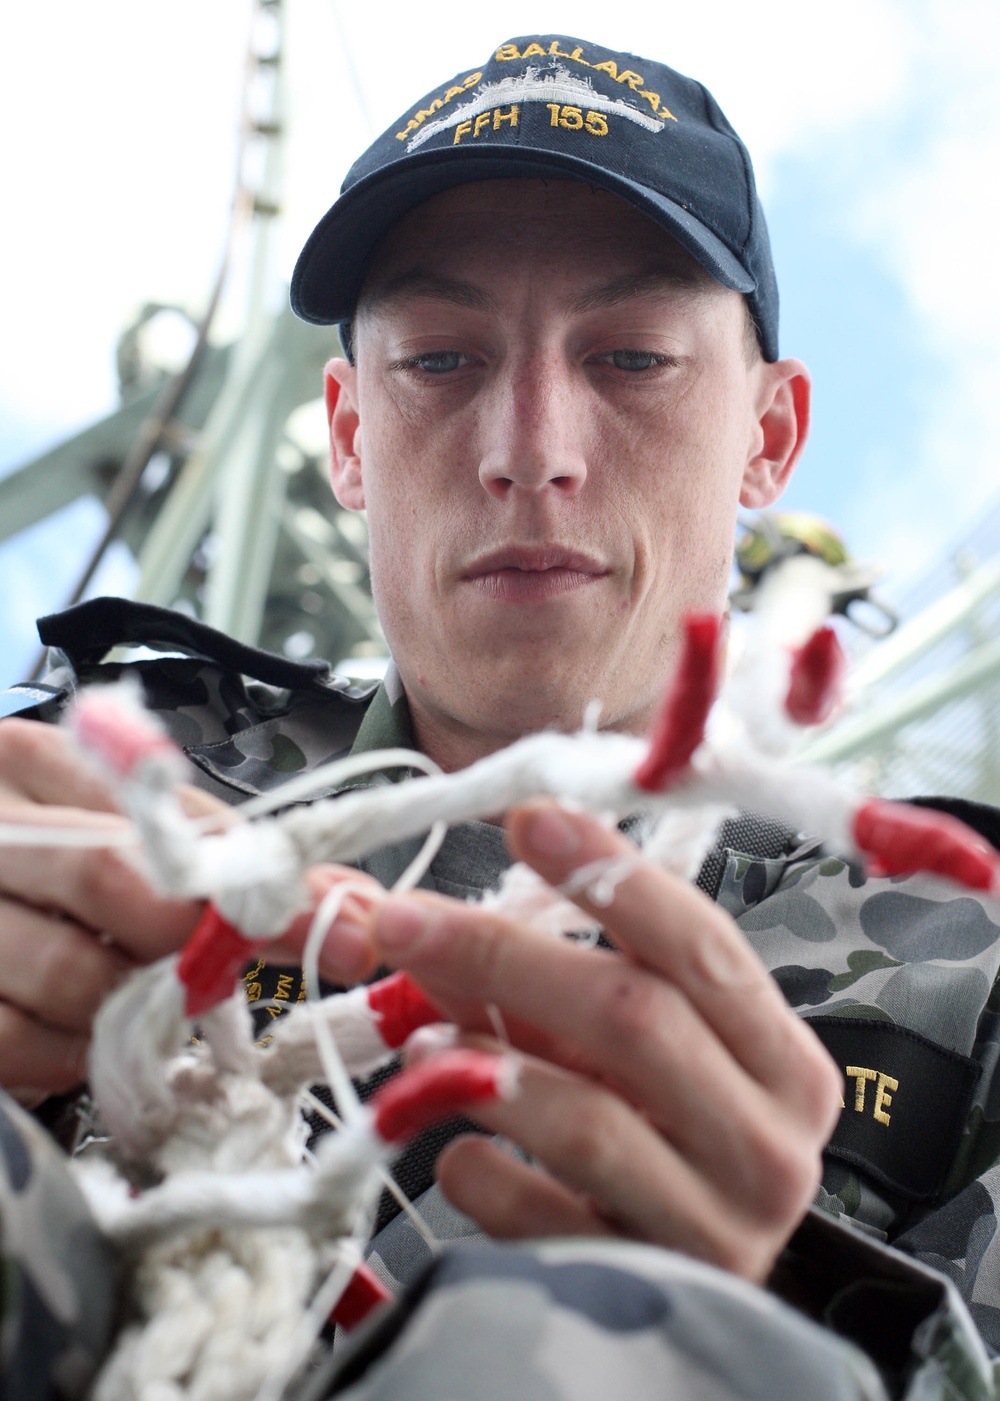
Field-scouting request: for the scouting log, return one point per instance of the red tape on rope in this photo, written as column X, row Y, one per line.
column 680, row 726
column 816, row 677
column 400, row 1007
column 211, row 962
column 901, row 838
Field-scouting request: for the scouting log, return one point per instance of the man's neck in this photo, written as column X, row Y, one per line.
column 453, row 745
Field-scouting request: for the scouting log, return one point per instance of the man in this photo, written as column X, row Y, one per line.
column 555, row 286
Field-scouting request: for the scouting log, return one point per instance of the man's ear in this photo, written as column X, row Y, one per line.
column 340, row 384
column 782, row 410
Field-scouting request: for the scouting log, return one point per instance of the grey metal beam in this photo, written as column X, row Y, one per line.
column 849, row 740
column 85, row 464
column 917, row 636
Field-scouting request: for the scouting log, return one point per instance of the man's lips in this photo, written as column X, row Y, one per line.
column 521, row 574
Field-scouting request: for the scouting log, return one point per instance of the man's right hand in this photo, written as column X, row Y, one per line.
column 73, row 921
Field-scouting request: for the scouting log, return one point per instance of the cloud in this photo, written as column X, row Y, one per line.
column 930, row 210
column 122, row 171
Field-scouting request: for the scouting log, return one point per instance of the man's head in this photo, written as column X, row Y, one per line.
column 551, row 421
column 552, row 106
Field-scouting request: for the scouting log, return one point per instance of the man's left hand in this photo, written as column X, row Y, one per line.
column 667, row 1093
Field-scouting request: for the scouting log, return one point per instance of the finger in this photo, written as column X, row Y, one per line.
column 628, row 1025
column 510, row 1199
column 196, row 803
column 38, row 1060
column 101, row 890
column 54, row 969
column 671, row 927
column 725, row 1128
column 662, row 920
column 606, row 1155
column 41, row 763
column 495, row 1034
column 348, row 954
column 467, row 958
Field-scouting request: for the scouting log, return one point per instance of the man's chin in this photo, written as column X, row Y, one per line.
column 508, row 702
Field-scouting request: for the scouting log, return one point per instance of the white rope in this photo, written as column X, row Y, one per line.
column 388, row 1181
column 334, row 1070
column 598, row 880
column 338, row 1193
column 25, row 834
column 421, row 863
column 333, row 775
column 313, row 1321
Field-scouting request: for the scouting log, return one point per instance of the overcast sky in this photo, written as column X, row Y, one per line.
column 874, row 127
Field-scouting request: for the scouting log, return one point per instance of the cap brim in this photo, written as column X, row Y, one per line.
column 332, row 265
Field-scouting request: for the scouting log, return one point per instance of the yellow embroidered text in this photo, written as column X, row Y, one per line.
column 495, row 118
column 573, row 119
column 420, row 117
column 509, row 52
column 861, row 1075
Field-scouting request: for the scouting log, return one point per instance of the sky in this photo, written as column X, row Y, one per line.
column 875, row 133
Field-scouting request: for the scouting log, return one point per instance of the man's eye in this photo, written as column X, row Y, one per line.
column 634, row 359
column 436, row 362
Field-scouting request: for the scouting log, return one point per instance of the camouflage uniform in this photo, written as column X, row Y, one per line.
column 57, row 1290
column 894, row 1275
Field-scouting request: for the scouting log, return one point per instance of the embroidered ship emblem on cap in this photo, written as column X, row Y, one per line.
column 534, row 86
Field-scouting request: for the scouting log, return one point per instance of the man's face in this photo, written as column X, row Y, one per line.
column 553, row 417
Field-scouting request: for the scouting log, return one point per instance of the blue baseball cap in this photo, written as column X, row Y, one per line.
column 551, row 106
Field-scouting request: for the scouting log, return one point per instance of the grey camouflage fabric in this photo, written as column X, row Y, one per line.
column 58, row 1285
column 589, row 1319
column 895, row 1273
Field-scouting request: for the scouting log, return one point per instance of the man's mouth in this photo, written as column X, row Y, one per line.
column 534, row 573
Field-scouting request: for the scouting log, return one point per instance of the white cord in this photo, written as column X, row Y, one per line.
column 388, row 1181
column 334, row 1070
column 598, row 880
column 313, row 1321
column 332, row 775
column 24, row 834
column 414, row 872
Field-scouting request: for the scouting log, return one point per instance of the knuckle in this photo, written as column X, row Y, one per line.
column 587, row 1140
column 746, row 1235
column 633, row 1009
column 49, row 1061
column 821, row 1081
column 13, row 1028
column 72, row 976
column 22, row 743
column 749, row 1254
column 787, row 1173
column 61, row 971
column 488, row 947
column 104, row 880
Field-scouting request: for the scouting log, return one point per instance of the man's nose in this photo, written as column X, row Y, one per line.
column 534, row 436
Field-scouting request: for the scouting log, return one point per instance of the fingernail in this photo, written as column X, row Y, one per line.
column 348, row 951
column 399, row 926
column 429, row 1041
column 551, row 832
column 27, row 1097
column 720, row 964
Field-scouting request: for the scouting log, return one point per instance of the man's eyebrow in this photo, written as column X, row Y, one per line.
column 434, row 286
column 636, row 284
column 418, row 283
